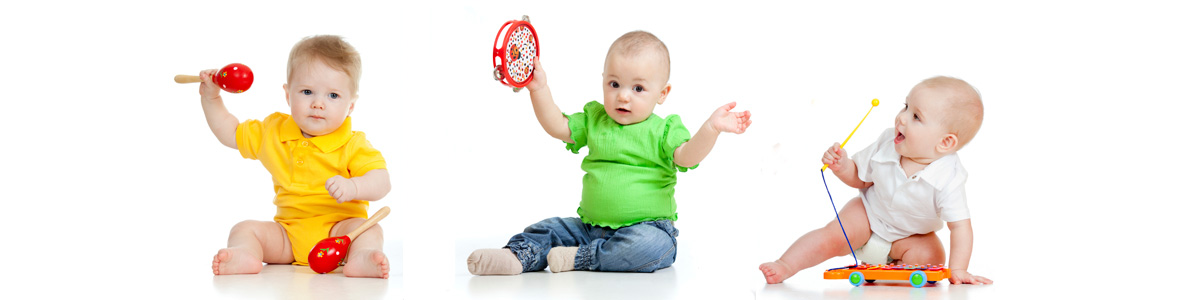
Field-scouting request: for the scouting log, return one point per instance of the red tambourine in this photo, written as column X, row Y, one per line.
column 512, row 57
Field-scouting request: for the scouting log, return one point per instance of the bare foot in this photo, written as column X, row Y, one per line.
column 230, row 261
column 367, row 263
column 775, row 272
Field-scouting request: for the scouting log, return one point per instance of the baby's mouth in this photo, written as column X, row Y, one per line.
column 622, row 110
column 899, row 137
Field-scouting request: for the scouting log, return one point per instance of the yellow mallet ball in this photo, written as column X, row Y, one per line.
column 874, row 102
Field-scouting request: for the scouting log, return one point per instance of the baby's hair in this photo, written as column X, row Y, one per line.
column 964, row 110
column 328, row 49
column 634, row 42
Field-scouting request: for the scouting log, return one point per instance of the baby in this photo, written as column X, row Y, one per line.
column 907, row 189
column 324, row 173
column 627, row 213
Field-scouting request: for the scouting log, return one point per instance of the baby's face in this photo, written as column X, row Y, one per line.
column 320, row 98
column 633, row 85
column 920, row 125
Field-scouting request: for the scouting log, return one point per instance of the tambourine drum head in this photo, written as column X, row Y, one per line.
column 519, row 54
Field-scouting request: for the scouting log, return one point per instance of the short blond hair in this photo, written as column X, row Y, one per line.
column 328, row 49
column 964, row 107
column 637, row 41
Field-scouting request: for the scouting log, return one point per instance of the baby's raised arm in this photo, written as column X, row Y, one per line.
column 222, row 123
column 548, row 114
column 844, row 168
column 693, row 151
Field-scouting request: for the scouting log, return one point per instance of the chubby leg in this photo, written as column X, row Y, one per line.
column 532, row 246
column 366, row 258
column 821, row 244
column 919, row 249
column 642, row 247
column 251, row 243
column 528, row 251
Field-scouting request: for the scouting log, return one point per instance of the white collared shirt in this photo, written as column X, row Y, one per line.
column 899, row 206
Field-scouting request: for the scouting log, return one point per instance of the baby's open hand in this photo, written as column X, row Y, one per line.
column 208, row 89
column 964, row 277
column 833, row 157
column 725, row 120
column 341, row 188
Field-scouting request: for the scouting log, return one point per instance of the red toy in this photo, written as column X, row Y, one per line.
column 233, row 78
column 330, row 253
column 512, row 57
column 915, row 275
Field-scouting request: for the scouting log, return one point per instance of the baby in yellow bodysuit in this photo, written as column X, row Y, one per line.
column 324, row 173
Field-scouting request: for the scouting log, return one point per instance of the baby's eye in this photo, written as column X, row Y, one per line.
column 306, row 92
column 613, row 84
column 915, row 117
column 638, row 88
column 333, row 96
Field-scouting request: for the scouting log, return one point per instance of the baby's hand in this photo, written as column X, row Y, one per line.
column 833, row 157
column 341, row 188
column 208, row 89
column 963, row 277
column 724, row 120
column 538, row 82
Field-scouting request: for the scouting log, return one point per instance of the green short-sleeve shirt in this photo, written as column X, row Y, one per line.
column 630, row 168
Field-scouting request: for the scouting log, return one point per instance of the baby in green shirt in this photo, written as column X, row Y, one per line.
column 627, row 212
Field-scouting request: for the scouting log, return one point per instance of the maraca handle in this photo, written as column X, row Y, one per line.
column 379, row 215
column 187, row 78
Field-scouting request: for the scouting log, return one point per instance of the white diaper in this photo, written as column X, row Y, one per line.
column 875, row 251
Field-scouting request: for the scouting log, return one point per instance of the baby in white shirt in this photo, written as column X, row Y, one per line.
column 907, row 190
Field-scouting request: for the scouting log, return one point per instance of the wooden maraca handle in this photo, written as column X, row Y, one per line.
column 186, row 78
column 379, row 215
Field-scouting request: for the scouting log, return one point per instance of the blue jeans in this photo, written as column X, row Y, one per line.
column 641, row 247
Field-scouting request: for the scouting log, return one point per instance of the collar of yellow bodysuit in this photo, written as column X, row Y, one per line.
column 326, row 143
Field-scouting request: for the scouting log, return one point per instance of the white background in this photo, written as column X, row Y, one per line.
column 110, row 172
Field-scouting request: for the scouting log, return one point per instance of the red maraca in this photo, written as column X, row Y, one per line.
column 330, row 253
column 234, row 78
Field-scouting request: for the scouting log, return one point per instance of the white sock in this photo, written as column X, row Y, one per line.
column 561, row 259
column 493, row 262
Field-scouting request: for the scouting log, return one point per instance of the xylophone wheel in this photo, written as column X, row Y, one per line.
column 856, row 278
column 917, row 278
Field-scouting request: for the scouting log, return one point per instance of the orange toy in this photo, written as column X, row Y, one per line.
column 914, row 274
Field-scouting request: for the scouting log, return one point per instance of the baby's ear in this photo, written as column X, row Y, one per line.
column 663, row 97
column 286, row 96
column 948, row 144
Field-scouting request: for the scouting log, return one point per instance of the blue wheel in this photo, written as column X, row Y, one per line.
column 917, row 278
column 856, row 278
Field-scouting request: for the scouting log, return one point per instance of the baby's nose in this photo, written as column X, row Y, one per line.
column 624, row 96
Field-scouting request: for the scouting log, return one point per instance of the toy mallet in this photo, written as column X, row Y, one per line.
column 233, row 78
column 874, row 103
column 330, row 253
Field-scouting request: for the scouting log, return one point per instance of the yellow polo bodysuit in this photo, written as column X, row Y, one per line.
column 300, row 166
